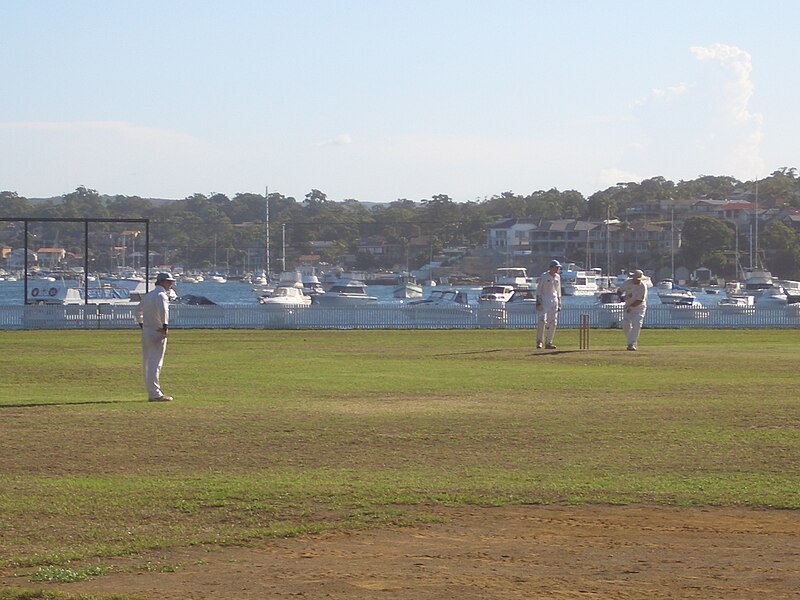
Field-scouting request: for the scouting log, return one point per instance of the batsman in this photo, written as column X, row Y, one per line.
column 548, row 303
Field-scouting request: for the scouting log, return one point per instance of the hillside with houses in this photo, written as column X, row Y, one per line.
column 668, row 229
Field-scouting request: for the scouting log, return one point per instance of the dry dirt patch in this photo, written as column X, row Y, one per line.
column 507, row 552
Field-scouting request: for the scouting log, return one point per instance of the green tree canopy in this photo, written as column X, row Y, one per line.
column 702, row 237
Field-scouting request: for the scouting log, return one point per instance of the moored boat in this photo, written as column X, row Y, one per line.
column 61, row 293
column 406, row 287
column 287, row 295
column 495, row 295
column 516, row 277
column 578, row 282
column 346, row 292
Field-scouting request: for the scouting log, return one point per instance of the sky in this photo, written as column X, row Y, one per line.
column 380, row 100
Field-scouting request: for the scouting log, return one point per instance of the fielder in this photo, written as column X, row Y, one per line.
column 634, row 294
column 152, row 315
column 548, row 303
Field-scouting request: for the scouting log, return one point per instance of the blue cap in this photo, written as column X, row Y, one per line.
column 555, row 263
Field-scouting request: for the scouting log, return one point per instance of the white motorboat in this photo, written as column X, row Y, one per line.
column 217, row 278
column 737, row 304
column 440, row 305
column 666, row 284
column 346, row 292
column 407, row 287
column 688, row 309
column 516, row 277
column 757, row 280
column 61, row 293
column 521, row 301
column 790, row 286
column 495, row 295
column 577, row 282
column 311, row 283
column 191, row 278
column 773, row 297
column 287, row 294
column 676, row 295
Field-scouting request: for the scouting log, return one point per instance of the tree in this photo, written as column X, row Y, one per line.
column 779, row 189
column 784, row 254
column 701, row 238
column 12, row 205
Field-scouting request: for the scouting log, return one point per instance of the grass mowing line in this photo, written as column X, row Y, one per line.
column 352, row 429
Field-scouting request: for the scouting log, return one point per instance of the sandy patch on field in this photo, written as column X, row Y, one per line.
column 479, row 553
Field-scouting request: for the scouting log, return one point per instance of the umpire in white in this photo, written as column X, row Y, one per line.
column 152, row 315
column 548, row 303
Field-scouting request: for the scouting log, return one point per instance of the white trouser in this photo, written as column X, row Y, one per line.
column 154, row 345
column 547, row 322
column 632, row 320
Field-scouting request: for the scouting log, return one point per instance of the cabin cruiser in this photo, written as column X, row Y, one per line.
column 516, row 277
column 576, row 282
column 407, row 287
column 287, row 294
column 521, row 301
column 737, row 304
column 311, row 283
column 495, row 295
column 772, row 297
column 756, row 280
column 676, row 295
column 61, row 293
column 666, row 284
column 191, row 278
column 440, row 305
column 346, row 292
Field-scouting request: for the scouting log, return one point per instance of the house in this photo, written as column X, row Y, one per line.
column 16, row 258
column 511, row 235
column 586, row 242
column 51, row 257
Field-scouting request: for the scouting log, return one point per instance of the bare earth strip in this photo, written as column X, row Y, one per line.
column 506, row 552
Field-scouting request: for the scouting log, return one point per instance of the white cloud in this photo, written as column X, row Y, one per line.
column 663, row 94
column 734, row 105
column 343, row 139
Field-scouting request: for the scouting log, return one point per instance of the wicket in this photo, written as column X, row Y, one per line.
column 584, row 332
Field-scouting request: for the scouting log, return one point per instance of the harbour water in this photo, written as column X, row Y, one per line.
column 236, row 292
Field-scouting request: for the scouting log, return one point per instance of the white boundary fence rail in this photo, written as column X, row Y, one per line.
column 379, row 316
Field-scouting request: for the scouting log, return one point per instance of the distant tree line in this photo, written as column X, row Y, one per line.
column 202, row 231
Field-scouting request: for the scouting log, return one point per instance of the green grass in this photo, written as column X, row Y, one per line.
column 280, row 433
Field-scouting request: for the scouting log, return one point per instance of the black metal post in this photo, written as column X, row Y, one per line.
column 25, row 260
column 86, row 262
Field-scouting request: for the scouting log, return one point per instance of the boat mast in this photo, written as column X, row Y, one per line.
column 283, row 247
column 672, row 243
column 266, row 231
column 756, row 237
column 608, row 240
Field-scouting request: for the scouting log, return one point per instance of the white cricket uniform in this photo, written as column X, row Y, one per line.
column 633, row 317
column 548, row 296
column 153, row 314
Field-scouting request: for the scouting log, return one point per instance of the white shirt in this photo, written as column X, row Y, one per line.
column 548, row 290
column 634, row 291
column 153, row 310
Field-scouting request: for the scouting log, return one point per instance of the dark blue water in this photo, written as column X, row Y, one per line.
column 235, row 292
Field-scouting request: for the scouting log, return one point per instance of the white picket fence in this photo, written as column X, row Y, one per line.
column 379, row 316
